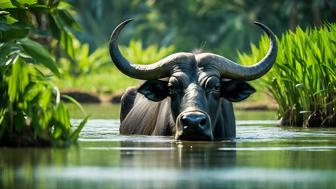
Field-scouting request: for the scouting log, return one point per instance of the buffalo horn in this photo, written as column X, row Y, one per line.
column 230, row 69
column 160, row 69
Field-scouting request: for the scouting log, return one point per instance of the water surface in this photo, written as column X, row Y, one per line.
column 262, row 156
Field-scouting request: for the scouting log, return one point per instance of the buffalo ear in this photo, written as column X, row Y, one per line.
column 154, row 90
column 235, row 90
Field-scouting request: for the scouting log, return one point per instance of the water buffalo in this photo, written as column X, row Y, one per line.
column 187, row 95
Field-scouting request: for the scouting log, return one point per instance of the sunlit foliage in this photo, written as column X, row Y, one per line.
column 303, row 79
column 32, row 112
column 220, row 26
column 95, row 72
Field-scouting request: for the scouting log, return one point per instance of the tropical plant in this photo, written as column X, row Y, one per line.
column 137, row 53
column 82, row 62
column 31, row 109
column 108, row 79
column 303, row 79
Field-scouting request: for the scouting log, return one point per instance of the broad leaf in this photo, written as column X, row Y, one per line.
column 5, row 4
column 18, row 80
column 23, row 3
column 68, row 20
column 40, row 54
column 75, row 133
column 13, row 31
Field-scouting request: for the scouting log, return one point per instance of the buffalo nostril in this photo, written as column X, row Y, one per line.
column 185, row 122
column 203, row 122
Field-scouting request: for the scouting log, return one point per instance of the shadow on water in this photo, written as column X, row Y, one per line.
column 262, row 156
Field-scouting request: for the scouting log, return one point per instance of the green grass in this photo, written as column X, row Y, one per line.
column 303, row 79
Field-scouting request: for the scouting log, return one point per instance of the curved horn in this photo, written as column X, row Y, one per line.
column 230, row 69
column 160, row 69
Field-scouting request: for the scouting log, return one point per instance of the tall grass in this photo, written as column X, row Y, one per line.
column 303, row 79
column 82, row 62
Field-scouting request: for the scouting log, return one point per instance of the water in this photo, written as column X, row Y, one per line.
column 262, row 156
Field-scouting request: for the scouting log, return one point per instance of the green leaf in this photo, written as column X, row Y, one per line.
column 53, row 3
column 23, row 3
column 45, row 98
column 55, row 16
column 5, row 4
column 57, row 132
column 22, row 15
column 13, row 31
column 75, row 102
column 67, row 19
column 18, row 80
column 62, row 117
column 10, row 20
column 55, row 30
column 16, row 3
column 75, row 134
column 5, row 51
column 40, row 54
column 67, row 40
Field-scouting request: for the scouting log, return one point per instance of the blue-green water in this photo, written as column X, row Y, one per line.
column 262, row 156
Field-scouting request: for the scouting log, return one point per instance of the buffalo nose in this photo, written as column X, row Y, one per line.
column 195, row 126
column 194, row 120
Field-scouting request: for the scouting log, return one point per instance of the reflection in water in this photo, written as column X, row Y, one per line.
column 262, row 156
column 178, row 155
column 205, row 155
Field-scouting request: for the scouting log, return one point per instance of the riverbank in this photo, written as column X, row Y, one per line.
column 258, row 101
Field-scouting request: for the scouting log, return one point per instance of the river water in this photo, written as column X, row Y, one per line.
column 262, row 156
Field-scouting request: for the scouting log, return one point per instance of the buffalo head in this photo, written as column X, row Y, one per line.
column 194, row 83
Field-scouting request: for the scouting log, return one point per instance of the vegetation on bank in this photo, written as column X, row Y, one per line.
column 94, row 72
column 32, row 112
column 303, row 79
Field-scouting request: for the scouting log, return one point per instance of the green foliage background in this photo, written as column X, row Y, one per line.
column 220, row 26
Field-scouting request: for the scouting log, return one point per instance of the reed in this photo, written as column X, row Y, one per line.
column 303, row 79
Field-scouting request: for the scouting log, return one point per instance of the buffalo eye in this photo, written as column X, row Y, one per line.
column 216, row 88
column 174, row 86
column 173, row 89
column 213, row 85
